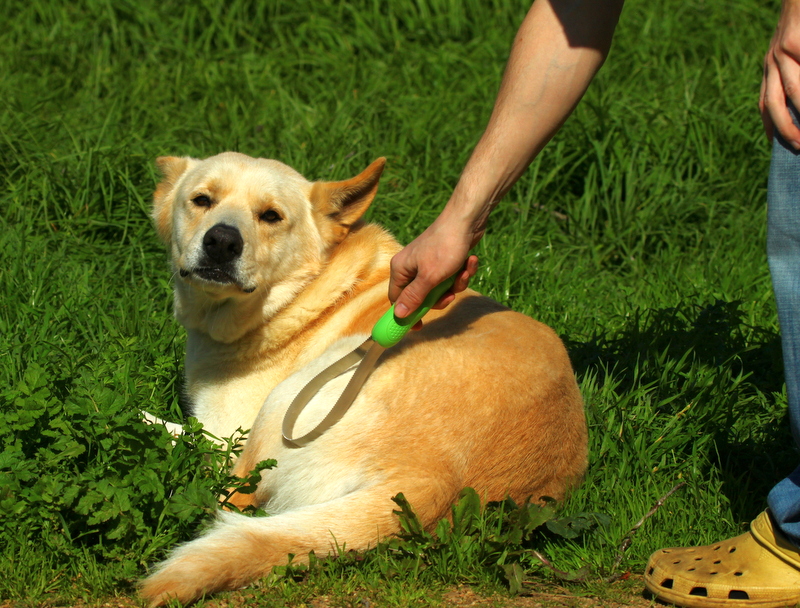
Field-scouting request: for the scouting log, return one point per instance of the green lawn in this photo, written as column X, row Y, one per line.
column 638, row 234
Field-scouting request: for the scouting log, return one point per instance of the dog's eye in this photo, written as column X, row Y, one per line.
column 270, row 216
column 202, row 200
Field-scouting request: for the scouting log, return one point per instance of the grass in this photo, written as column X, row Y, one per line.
column 638, row 234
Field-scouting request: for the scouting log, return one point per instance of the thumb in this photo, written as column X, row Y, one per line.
column 412, row 296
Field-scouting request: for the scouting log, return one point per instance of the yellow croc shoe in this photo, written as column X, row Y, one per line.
column 760, row 568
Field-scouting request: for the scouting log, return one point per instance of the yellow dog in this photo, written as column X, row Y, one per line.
column 276, row 277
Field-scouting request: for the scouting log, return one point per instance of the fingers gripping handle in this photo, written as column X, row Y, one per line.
column 389, row 330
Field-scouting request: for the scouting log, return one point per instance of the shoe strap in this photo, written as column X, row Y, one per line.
column 767, row 534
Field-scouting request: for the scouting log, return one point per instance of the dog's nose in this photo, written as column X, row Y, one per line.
column 223, row 243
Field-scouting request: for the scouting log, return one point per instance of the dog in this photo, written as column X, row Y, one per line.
column 276, row 277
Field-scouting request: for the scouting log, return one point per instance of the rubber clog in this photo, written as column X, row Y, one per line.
column 760, row 568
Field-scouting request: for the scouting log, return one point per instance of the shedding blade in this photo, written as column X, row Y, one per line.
column 368, row 354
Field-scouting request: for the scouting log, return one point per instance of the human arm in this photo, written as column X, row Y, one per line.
column 781, row 78
column 557, row 51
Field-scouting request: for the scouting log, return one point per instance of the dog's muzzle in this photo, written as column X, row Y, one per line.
column 222, row 246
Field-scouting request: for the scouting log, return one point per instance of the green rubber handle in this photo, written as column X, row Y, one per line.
column 389, row 330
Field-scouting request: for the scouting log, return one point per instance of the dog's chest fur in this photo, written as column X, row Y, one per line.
column 227, row 384
column 259, row 401
column 225, row 389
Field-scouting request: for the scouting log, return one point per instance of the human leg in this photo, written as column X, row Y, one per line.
column 760, row 568
column 783, row 251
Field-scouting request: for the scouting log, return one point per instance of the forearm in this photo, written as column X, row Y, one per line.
column 558, row 49
column 556, row 53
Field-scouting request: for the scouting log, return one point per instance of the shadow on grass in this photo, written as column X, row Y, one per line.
column 716, row 335
column 738, row 398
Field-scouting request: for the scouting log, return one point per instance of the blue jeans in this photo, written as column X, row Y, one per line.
column 783, row 253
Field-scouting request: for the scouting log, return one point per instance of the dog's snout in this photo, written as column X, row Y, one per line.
column 223, row 243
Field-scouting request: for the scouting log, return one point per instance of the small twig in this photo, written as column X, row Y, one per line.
column 626, row 542
column 556, row 214
column 561, row 217
column 559, row 573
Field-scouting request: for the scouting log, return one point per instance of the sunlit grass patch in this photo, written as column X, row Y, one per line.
column 638, row 234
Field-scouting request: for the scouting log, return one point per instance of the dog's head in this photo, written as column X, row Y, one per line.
column 243, row 229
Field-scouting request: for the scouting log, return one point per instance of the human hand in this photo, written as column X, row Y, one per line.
column 438, row 253
column 781, row 78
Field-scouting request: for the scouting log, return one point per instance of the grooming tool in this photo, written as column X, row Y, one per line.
column 387, row 332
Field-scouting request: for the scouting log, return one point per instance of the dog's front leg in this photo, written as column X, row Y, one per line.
column 238, row 549
column 176, row 430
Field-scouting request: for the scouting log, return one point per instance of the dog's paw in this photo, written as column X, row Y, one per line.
column 172, row 583
column 176, row 430
column 227, row 557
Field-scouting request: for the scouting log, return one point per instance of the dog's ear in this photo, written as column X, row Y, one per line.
column 171, row 168
column 343, row 203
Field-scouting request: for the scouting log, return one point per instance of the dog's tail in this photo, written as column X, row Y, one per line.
column 240, row 549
